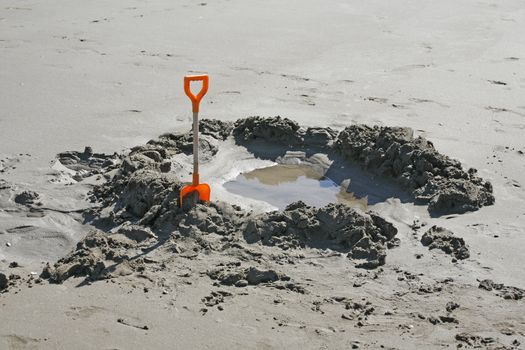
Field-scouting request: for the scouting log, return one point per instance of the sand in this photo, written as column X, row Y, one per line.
column 109, row 76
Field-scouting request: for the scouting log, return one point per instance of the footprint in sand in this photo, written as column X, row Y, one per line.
column 502, row 109
column 9, row 162
column 295, row 77
column 84, row 311
column 376, row 99
column 410, row 67
column 424, row 100
column 307, row 99
column 427, row 46
column 21, row 229
column 497, row 82
column 230, row 92
column 16, row 341
column 100, row 20
column 383, row 100
column 18, row 8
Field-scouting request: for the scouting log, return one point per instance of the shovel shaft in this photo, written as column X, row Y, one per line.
column 195, row 148
column 196, row 191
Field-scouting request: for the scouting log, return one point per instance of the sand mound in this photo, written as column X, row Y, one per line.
column 431, row 177
column 105, row 255
column 506, row 292
column 234, row 275
column 26, row 197
column 139, row 202
column 97, row 256
column 440, row 238
column 281, row 130
column 3, row 281
column 335, row 226
column 87, row 163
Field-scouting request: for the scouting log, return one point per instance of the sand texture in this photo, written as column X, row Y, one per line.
column 416, row 109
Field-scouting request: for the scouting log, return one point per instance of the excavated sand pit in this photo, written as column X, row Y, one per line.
column 346, row 254
column 140, row 197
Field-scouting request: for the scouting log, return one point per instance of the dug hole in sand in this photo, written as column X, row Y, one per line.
column 307, row 262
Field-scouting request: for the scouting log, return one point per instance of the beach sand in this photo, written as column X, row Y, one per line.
column 109, row 76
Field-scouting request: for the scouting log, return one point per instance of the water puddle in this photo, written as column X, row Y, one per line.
column 282, row 184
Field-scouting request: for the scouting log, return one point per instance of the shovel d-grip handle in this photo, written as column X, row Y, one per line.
column 195, row 100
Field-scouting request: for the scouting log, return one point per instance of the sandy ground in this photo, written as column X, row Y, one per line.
column 109, row 75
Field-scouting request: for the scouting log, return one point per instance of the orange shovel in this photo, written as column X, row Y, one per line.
column 190, row 193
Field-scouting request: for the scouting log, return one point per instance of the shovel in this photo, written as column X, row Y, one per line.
column 190, row 194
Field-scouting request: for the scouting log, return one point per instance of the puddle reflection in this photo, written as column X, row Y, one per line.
column 282, row 184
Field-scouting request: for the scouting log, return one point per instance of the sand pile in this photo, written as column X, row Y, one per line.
column 443, row 239
column 87, row 163
column 139, row 204
column 335, row 226
column 214, row 227
column 431, row 177
column 142, row 195
column 235, row 275
column 3, row 281
column 505, row 292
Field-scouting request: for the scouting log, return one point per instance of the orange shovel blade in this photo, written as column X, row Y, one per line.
column 202, row 189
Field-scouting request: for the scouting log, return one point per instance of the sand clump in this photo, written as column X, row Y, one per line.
column 27, row 197
column 477, row 341
column 87, row 163
column 241, row 277
column 445, row 240
column 3, row 281
column 235, row 275
column 98, row 256
column 142, row 196
column 505, row 292
column 334, row 226
column 431, row 177
column 276, row 129
column 217, row 129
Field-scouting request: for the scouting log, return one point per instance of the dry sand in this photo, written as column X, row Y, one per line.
column 109, row 75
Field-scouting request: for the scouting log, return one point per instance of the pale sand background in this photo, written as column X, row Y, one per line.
column 72, row 72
